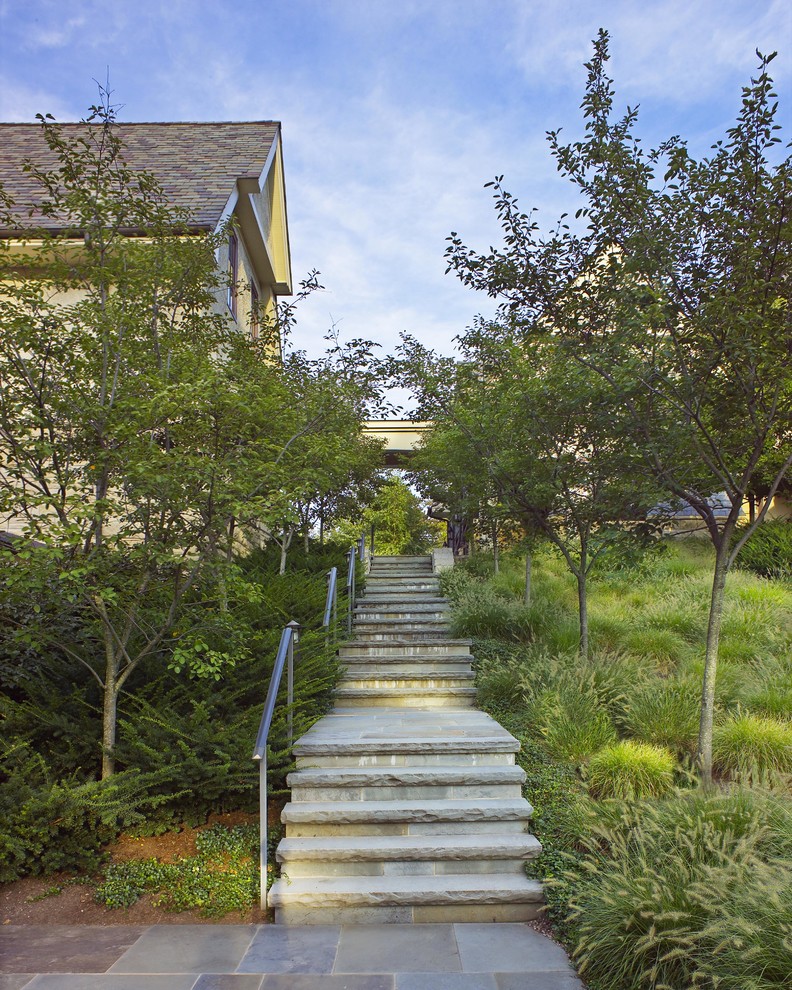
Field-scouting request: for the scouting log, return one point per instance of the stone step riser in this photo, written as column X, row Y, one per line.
column 317, row 830
column 340, row 868
column 460, row 897
column 407, row 649
column 386, row 620
column 375, row 668
column 407, row 915
column 392, row 681
column 408, row 587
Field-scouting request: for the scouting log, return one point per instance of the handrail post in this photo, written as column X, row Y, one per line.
column 294, row 644
column 263, row 865
column 351, row 554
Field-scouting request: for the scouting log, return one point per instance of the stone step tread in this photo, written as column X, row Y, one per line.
column 451, row 889
column 438, row 846
column 435, row 810
column 412, row 663
column 343, row 693
column 418, row 675
column 405, row 776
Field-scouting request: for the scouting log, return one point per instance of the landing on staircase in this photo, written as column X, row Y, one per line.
column 407, row 804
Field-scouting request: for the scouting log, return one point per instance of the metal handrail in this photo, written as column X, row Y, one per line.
column 330, row 620
column 290, row 637
column 350, row 583
column 289, row 641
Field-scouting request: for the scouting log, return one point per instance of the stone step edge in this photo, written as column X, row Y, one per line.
column 357, row 643
column 420, row 745
column 393, row 848
column 450, row 889
column 449, row 810
column 418, row 675
column 405, row 776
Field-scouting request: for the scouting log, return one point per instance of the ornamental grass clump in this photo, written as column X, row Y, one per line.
column 665, row 713
column 753, row 747
column 693, row 891
column 631, row 770
column 572, row 723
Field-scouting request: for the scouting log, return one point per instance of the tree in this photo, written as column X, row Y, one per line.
column 676, row 295
column 538, row 443
column 139, row 432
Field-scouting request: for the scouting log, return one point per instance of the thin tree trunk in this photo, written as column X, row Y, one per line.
column 109, row 708
column 528, row 567
column 321, row 530
column 306, row 541
column 495, row 549
column 704, row 748
column 583, row 612
column 285, row 544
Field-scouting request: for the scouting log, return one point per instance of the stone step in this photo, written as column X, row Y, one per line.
column 400, row 610
column 412, row 619
column 404, row 647
column 314, row 744
column 423, row 698
column 447, row 783
column 428, row 817
column 407, row 601
column 395, row 855
column 371, row 676
column 394, row 628
column 399, row 558
column 406, row 665
column 416, row 899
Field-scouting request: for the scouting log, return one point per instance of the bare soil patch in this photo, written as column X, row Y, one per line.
column 62, row 899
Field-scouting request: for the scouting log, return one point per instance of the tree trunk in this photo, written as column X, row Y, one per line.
column 285, row 544
column 528, row 567
column 495, row 553
column 583, row 612
column 704, row 748
column 306, row 541
column 109, row 708
column 321, row 530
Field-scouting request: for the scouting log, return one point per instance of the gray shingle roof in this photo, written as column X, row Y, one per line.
column 197, row 164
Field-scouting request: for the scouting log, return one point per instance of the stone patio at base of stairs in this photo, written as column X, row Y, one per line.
column 280, row 957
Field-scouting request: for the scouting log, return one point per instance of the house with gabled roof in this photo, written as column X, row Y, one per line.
column 215, row 172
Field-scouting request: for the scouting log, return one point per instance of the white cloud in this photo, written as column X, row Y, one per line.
column 19, row 103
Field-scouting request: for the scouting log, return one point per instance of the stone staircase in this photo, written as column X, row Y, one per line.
column 406, row 804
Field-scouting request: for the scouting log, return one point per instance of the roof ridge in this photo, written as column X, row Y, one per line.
column 147, row 123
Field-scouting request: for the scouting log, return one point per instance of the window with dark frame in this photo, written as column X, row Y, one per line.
column 233, row 271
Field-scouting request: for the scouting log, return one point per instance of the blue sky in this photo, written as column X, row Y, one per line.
column 395, row 112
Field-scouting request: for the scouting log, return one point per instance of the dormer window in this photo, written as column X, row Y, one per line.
column 233, row 273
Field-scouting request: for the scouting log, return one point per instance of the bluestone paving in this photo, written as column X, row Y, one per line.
column 292, row 949
column 229, row 981
column 508, row 948
column 446, row 981
column 398, row 948
column 449, row 956
column 187, row 949
column 300, row 982
column 93, row 981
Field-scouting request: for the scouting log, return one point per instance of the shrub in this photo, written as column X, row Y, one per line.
column 631, row 770
column 665, row 713
column 49, row 824
column 753, row 747
column 768, row 551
